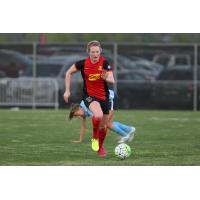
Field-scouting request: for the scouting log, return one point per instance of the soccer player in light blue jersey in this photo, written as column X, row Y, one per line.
column 125, row 132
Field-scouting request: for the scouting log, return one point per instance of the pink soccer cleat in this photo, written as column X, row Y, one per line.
column 101, row 152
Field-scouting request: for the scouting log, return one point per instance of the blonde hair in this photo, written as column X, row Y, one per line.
column 93, row 43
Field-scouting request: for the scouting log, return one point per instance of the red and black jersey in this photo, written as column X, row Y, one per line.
column 94, row 85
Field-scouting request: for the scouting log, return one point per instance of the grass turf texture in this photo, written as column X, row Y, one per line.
column 43, row 137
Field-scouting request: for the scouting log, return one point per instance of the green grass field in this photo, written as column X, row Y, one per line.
column 43, row 138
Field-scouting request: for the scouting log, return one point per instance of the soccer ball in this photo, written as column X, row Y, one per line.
column 122, row 151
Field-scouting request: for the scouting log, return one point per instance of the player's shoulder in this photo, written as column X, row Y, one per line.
column 106, row 64
column 81, row 62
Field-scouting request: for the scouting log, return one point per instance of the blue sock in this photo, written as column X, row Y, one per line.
column 124, row 127
column 118, row 130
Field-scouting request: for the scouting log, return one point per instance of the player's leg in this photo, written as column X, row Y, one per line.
column 103, row 126
column 113, row 126
column 95, row 108
column 102, row 134
column 124, row 127
column 95, row 126
column 130, row 131
column 126, row 132
column 110, row 119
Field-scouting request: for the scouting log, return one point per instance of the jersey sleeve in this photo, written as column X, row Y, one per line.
column 106, row 66
column 80, row 64
column 111, row 95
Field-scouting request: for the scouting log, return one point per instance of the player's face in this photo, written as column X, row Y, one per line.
column 78, row 113
column 94, row 54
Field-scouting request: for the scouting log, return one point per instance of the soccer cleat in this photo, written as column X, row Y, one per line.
column 95, row 144
column 129, row 137
column 123, row 139
column 101, row 152
column 131, row 134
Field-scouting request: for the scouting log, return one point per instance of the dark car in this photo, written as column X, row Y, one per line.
column 123, row 62
column 173, row 60
column 134, row 89
column 2, row 74
column 146, row 66
column 174, row 88
column 12, row 63
column 55, row 68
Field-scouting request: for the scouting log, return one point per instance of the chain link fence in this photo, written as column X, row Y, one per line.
column 150, row 76
column 29, row 92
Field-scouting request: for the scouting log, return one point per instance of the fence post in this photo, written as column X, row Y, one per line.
column 34, row 74
column 56, row 95
column 115, row 52
column 195, row 78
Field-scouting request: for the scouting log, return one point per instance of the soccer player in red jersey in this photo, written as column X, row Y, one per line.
column 96, row 73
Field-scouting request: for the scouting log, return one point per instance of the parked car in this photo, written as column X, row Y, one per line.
column 148, row 66
column 173, row 60
column 59, row 52
column 12, row 63
column 2, row 74
column 134, row 89
column 174, row 88
column 56, row 69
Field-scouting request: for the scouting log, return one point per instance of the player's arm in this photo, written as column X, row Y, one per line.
column 107, row 73
column 108, row 76
column 69, row 72
column 82, row 131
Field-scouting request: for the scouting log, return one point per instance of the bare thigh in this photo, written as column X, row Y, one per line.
column 96, row 110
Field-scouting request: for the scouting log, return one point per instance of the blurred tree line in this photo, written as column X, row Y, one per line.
column 103, row 37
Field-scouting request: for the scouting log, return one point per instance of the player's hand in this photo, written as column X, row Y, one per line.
column 104, row 74
column 66, row 96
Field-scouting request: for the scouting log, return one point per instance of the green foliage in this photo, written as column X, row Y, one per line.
column 85, row 37
column 3, row 38
column 43, row 137
column 103, row 37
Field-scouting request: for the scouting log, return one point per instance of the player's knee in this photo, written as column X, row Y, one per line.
column 103, row 128
column 109, row 125
column 98, row 116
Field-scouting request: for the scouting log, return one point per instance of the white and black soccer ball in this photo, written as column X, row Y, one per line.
column 122, row 151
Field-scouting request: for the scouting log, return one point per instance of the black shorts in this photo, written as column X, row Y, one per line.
column 104, row 104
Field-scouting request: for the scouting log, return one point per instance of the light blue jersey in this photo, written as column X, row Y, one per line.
column 88, row 113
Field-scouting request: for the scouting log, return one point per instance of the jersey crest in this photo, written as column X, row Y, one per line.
column 94, row 77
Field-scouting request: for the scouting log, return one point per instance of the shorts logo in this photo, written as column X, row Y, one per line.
column 94, row 77
column 89, row 99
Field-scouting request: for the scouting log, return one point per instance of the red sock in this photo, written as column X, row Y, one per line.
column 102, row 135
column 95, row 124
